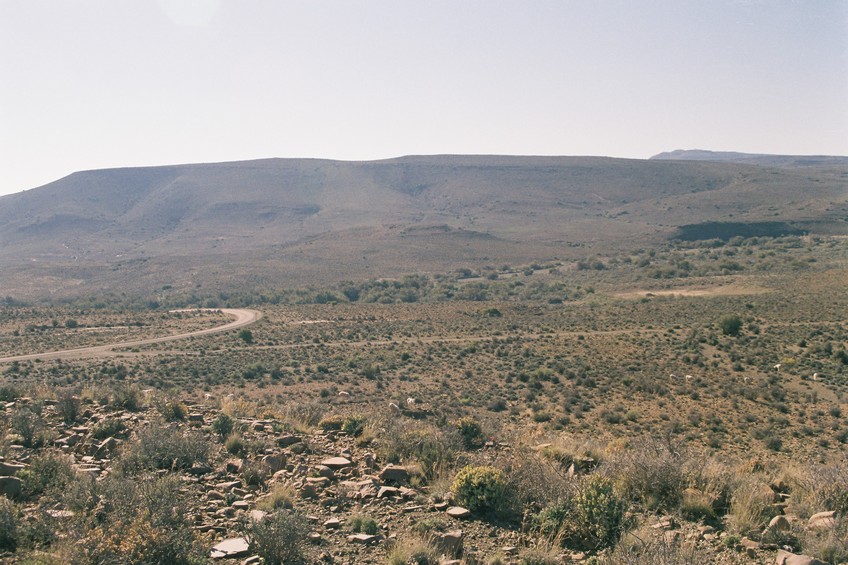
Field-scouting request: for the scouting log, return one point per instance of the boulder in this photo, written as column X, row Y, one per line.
column 394, row 474
column 786, row 558
column 779, row 524
column 275, row 462
column 287, row 440
column 10, row 486
column 449, row 543
column 822, row 520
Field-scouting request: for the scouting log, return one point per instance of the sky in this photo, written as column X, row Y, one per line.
column 90, row 84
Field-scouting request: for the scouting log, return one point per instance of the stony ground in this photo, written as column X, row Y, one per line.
column 340, row 485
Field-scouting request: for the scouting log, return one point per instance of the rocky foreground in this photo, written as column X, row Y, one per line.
column 344, row 499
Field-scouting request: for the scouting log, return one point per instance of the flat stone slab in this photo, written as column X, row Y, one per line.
column 230, row 548
column 363, row 539
column 458, row 512
column 336, row 462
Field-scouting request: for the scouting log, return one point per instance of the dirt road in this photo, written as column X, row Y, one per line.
column 243, row 317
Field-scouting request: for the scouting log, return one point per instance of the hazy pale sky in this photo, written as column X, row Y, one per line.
column 88, row 84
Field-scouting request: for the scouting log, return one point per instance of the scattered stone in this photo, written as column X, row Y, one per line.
column 388, row 492
column 199, row 469
column 363, row 539
column 779, row 524
column 458, row 512
column 287, row 440
column 449, row 543
column 252, row 560
column 394, row 474
column 10, row 469
column 228, row 485
column 274, row 463
column 230, row 549
column 336, row 463
column 195, row 417
column 234, row 466
column 257, row 515
column 822, row 520
column 324, row 471
column 786, row 558
column 240, row 505
column 308, row 491
column 333, row 524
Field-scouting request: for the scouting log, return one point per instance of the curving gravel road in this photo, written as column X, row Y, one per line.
column 243, row 317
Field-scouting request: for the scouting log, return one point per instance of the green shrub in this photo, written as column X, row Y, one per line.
column 354, row 425
column 594, row 518
column 331, row 423
column 28, row 424
column 47, row 471
column 108, row 428
column 141, row 520
column 279, row 538
column 481, row 488
column 171, row 409
column 223, row 425
column 234, row 444
column 730, row 325
column 470, row 432
column 159, row 447
column 68, row 405
column 650, row 475
column 8, row 525
column 361, row 524
column 125, row 397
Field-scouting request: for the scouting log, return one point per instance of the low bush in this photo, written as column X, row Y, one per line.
column 8, row 525
column 361, row 524
column 234, row 444
column 223, row 425
column 820, row 488
column 47, row 471
column 481, row 489
column 281, row 496
column 108, row 428
column 331, row 423
column 427, row 445
column 650, row 475
column 68, row 406
column 415, row 551
column 279, row 538
column 647, row 547
column 141, row 521
column 160, row 447
column 470, row 431
column 354, row 425
column 751, row 506
column 830, row 545
column 594, row 518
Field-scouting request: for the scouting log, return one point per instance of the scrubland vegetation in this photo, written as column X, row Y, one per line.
column 679, row 405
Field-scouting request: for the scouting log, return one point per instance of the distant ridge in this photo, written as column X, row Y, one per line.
column 751, row 158
column 276, row 223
